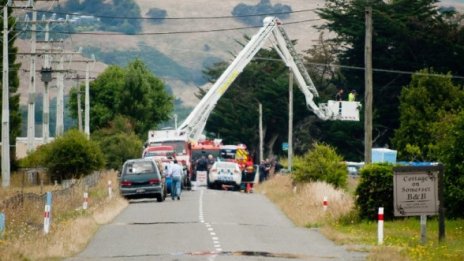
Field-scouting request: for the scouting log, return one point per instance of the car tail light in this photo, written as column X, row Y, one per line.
column 154, row 181
column 126, row 183
column 213, row 170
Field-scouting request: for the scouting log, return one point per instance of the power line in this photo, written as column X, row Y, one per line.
column 172, row 32
column 184, row 18
column 362, row 68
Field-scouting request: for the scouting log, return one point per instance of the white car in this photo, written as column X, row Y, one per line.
column 225, row 173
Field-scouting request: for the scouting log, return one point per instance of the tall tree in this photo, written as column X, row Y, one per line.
column 449, row 150
column 422, row 103
column 133, row 92
column 408, row 36
column 15, row 114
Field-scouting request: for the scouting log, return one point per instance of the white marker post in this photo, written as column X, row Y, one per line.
column 380, row 227
column 423, row 224
column 86, row 201
column 47, row 219
column 110, row 190
column 47, row 215
column 325, row 203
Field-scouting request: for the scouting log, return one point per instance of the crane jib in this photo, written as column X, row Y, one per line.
column 228, row 82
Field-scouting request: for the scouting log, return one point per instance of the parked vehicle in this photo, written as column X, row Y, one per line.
column 354, row 168
column 224, row 173
column 142, row 178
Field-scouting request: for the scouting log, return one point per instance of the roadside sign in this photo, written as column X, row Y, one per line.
column 202, row 178
column 415, row 191
column 285, row 146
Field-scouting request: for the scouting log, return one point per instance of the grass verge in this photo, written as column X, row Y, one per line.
column 71, row 227
column 339, row 223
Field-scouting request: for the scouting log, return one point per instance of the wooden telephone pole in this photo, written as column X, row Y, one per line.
column 368, row 88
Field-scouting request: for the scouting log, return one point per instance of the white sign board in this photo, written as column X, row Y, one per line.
column 415, row 192
column 201, row 178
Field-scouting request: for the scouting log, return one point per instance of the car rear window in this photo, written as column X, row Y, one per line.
column 226, row 165
column 138, row 167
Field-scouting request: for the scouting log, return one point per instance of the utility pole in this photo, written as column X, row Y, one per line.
column 5, row 105
column 368, row 88
column 87, row 101
column 261, row 136
column 46, row 95
column 59, row 129
column 290, row 119
column 87, row 95
column 79, row 110
column 32, row 88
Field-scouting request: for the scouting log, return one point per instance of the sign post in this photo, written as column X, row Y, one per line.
column 418, row 191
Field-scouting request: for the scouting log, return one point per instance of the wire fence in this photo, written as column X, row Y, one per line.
column 26, row 209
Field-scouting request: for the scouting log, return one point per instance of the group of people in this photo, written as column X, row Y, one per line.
column 340, row 95
column 204, row 163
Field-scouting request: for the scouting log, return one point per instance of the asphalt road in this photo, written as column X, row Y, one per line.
column 209, row 225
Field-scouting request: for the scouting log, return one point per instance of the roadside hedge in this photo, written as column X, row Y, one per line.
column 375, row 190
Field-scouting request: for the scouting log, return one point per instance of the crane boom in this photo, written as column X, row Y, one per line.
column 273, row 31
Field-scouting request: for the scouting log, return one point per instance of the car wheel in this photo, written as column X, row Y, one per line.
column 159, row 198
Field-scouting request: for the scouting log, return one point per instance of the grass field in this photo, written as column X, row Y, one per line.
column 303, row 205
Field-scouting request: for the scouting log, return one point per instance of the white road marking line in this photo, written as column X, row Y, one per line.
column 209, row 227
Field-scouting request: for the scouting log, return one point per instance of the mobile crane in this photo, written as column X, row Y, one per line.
column 273, row 31
column 192, row 128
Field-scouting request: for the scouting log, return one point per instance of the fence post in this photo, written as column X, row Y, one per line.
column 380, row 227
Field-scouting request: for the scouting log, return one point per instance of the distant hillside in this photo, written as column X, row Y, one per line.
column 177, row 49
column 177, row 52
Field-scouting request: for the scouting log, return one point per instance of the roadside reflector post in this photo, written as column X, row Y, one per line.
column 325, row 203
column 380, row 227
column 47, row 212
column 2, row 224
column 423, row 224
column 110, row 189
column 86, row 201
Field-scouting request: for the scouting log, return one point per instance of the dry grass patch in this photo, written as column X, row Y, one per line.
column 71, row 228
column 303, row 204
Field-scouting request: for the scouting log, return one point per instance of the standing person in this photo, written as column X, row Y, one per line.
column 339, row 95
column 176, row 179
column 211, row 161
column 352, row 96
column 202, row 164
column 262, row 171
column 267, row 169
column 339, row 98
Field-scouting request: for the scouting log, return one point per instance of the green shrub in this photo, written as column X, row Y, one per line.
column 36, row 158
column 72, row 156
column 375, row 190
column 322, row 163
column 119, row 147
column 118, row 142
